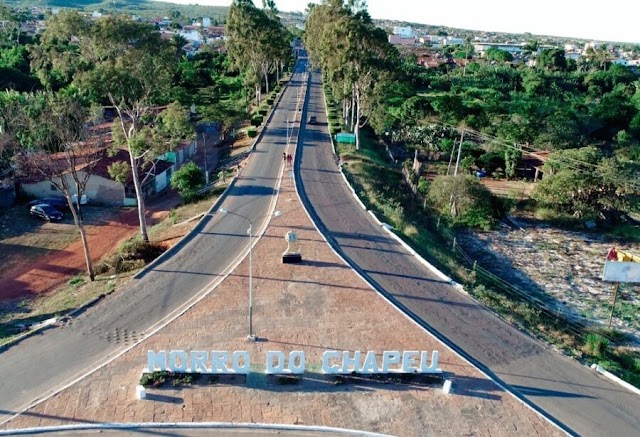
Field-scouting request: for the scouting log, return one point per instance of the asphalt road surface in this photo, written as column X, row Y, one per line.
column 566, row 391
column 41, row 364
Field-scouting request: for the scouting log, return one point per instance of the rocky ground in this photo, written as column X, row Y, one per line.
column 563, row 267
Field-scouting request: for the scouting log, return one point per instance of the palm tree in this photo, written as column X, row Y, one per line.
column 177, row 42
column 531, row 48
column 603, row 56
column 467, row 49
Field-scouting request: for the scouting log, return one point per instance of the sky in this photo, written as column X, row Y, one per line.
column 611, row 20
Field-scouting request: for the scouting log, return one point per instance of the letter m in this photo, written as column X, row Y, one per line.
column 156, row 361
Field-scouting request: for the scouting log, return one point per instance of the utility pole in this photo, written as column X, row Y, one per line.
column 455, row 173
column 453, row 149
column 206, row 167
column 613, row 306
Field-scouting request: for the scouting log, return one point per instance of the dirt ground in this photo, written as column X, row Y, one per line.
column 58, row 266
column 564, row 268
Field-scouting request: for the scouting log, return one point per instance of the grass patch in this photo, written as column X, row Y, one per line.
column 625, row 232
column 17, row 316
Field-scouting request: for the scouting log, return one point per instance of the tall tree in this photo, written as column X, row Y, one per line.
column 255, row 40
column 10, row 26
column 353, row 53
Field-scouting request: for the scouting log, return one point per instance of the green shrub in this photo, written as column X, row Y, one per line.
column 334, row 129
column 136, row 249
column 491, row 162
column 256, row 120
column 597, row 345
column 270, row 101
column 263, row 111
column 423, row 186
column 155, row 378
column 252, row 133
column 77, row 280
column 188, row 179
column 463, row 201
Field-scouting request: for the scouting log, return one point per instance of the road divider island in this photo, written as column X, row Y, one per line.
column 278, row 362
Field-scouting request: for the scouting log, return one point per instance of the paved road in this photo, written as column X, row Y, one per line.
column 565, row 390
column 43, row 363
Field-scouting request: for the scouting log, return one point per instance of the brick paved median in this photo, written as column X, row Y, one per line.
column 312, row 307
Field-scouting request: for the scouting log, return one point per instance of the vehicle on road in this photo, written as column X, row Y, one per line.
column 313, row 120
column 55, row 201
column 46, row 212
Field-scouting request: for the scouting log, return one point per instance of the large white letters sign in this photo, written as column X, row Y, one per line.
column 277, row 362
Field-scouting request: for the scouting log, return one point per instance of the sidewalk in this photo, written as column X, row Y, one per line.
column 313, row 307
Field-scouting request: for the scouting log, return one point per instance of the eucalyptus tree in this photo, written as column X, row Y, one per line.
column 353, row 53
column 254, row 42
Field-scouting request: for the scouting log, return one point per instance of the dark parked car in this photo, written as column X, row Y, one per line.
column 313, row 119
column 46, row 212
column 56, row 201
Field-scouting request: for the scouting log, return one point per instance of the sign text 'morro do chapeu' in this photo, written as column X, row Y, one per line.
column 277, row 362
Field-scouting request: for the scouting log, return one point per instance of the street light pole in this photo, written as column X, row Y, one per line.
column 206, row 167
column 251, row 336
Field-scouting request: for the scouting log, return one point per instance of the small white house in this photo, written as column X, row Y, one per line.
column 206, row 22
column 452, row 41
column 405, row 32
column 191, row 35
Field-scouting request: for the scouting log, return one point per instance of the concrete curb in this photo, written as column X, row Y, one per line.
column 602, row 371
column 32, row 331
column 189, row 425
column 414, row 318
column 353, row 191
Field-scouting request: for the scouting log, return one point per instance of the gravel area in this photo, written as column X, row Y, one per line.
column 563, row 267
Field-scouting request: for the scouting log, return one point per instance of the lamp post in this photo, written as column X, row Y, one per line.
column 206, row 167
column 251, row 336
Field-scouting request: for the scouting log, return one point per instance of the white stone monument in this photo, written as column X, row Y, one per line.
column 292, row 254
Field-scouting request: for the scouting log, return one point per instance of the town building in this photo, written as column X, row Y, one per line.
column 403, row 31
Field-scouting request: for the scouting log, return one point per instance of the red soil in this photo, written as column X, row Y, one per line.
column 29, row 280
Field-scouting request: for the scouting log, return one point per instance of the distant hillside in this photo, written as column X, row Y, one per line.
column 143, row 8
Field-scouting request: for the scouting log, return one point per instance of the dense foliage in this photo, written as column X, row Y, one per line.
column 188, row 179
column 586, row 113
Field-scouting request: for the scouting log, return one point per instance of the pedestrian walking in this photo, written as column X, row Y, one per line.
column 284, row 157
column 289, row 159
